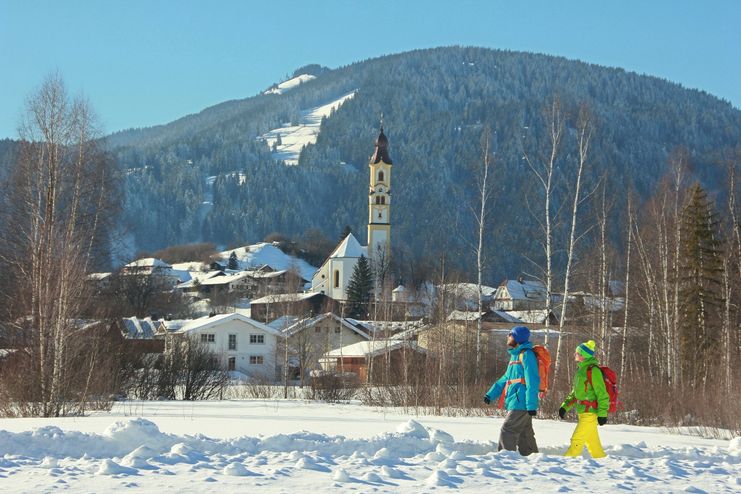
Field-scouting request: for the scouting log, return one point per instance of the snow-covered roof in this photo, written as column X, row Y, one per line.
column 283, row 322
column 139, row 329
column 468, row 290
column 524, row 290
column 98, row 276
column 285, row 297
column 349, row 247
column 173, row 324
column 537, row 316
column 189, row 266
column 211, row 321
column 220, row 278
column 263, row 253
column 148, row 262
column 506, row 316
column 465, row 315
column 371, row 348
column 309, row 322
column 388, row 326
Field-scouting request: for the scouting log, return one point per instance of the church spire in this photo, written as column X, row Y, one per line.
column 381, row 153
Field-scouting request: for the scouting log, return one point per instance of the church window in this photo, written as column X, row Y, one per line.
column 380, row 176
column 378, row 199
column 383, row 199
column 336, row 278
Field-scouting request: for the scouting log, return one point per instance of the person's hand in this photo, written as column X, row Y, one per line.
column 562, row 412
column 601, row 420
column 487, row 400
column 532, row 412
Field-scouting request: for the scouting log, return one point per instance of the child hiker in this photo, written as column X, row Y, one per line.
column 591, row 400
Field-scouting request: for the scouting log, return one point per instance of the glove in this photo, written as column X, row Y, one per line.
column 562, row 412
column 601, row 420
column 487, row 400
column 532, row 412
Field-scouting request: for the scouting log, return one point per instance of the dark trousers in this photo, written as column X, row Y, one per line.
column 517, row 433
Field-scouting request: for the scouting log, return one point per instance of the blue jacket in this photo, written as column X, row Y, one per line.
column 519, row 396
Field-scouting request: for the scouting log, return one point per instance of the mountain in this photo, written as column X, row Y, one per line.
column 435, row 104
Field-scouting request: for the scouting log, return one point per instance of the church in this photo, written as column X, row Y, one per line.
column 333, row 277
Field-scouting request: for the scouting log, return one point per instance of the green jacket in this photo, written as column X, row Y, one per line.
column 583, row 391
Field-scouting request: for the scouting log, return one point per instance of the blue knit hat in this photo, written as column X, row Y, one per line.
column 587, row 348
column 520, row 334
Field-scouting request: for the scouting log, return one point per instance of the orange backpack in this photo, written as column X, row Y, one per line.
column 544, row 367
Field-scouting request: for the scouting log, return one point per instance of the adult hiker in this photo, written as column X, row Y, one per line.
column 591, row 400
column 517, row 392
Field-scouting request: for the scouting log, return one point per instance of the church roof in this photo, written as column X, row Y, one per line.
column 350, row 247
column 381, row 152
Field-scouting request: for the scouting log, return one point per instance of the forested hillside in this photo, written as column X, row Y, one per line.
column 436, row 104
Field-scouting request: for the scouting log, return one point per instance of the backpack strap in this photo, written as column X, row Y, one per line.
column 589, row 377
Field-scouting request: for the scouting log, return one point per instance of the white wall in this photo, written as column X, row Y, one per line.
column 245, row 349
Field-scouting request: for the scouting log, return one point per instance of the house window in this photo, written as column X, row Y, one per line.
column 336, row 278
column 317, row 329
column 208, row 338
column 256, row 360
column 337, row 330
column 231, row 364
column 257, row 339
column 380, row 176
column 232, row 342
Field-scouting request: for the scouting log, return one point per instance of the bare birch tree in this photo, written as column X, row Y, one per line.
column 484, row 193
column 543, row 167
column 626, row 295
column 585, row 129
column 60, row 205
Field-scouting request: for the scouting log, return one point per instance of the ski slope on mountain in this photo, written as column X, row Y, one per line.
column 290, row 84
column 272, row 446
column 287, row 141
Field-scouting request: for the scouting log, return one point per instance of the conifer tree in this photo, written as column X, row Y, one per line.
column 700, row 288
column 232, row 264
column 360, row 288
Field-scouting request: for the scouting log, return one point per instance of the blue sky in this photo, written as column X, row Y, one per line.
column 144, row 63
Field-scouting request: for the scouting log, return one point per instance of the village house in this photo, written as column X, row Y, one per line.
column 240, row 343
column 519, row 295
column 309, row 338
column 388, row 358
column 271, row 307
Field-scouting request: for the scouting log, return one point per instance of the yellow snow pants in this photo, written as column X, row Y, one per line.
column 586, row 432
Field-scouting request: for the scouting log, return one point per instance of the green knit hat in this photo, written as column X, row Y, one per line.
column 587, row 349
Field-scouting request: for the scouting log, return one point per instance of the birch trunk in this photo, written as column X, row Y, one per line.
column 583, row 141
column 544, row 171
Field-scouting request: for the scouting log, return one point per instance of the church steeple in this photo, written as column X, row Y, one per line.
column 381, row 153
column 379, row 202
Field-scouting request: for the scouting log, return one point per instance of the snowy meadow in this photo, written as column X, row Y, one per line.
column 301, row 446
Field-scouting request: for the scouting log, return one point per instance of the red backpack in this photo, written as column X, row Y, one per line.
column 610, row 378
column 543, row 356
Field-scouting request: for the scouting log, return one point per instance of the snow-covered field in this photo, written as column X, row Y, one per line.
column 296, row 446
